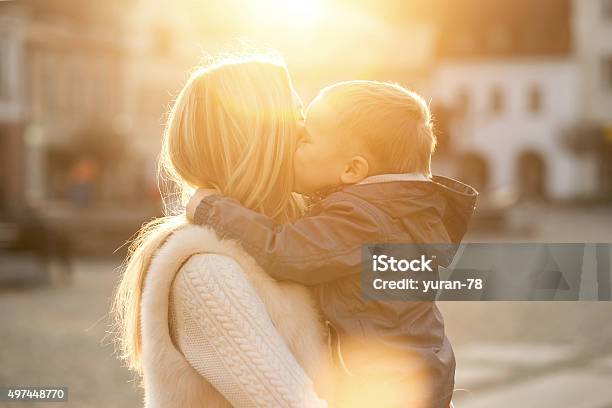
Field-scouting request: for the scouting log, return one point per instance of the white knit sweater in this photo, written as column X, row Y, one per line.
column 210, row 315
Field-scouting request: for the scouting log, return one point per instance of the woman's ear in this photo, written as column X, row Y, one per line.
column 356, row 170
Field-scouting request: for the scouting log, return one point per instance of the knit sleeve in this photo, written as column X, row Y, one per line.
column 224, row 331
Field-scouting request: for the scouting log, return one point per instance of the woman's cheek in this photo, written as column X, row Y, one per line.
column 297, row 157
column 298, row 161
column 300, row 174
column 301, row 156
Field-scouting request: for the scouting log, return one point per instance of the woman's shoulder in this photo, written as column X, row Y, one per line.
column 203, row 268
column 207, row 260
column 194, row 246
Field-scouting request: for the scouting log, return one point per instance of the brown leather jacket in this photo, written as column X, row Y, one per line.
column 323, row 249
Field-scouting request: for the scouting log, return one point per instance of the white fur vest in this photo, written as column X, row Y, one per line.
column 169, row 380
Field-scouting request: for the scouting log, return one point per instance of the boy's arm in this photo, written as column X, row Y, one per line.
column 310, row 251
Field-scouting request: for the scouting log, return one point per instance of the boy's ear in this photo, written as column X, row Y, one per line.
column 356, row 170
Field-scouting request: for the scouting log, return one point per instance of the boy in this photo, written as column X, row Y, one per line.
column 365, row 155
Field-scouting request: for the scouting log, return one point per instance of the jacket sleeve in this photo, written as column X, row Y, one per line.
column 312, row 250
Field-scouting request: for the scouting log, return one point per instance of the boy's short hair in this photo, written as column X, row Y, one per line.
column 394, row 124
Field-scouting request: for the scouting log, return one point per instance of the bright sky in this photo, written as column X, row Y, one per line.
column 300, row 14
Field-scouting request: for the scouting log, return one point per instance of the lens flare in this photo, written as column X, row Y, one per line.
column 299, row 14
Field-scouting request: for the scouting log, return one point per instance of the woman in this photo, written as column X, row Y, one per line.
column 196, row 317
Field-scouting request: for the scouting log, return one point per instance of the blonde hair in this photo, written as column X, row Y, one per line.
column 232, row 127
column 394, row 124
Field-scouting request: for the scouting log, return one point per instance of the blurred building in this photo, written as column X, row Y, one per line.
column 509, row 119
column 74, row 74
column 592, row 29
column 64, row 104
column 12, row 109
column 509, row 73
column 85, row 87
column 68, row 156
column 530, row 88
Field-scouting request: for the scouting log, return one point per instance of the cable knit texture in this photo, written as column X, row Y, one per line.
column 221, row 320
column 217, row 318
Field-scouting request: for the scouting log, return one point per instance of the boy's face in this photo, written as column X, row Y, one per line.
column 320, row 158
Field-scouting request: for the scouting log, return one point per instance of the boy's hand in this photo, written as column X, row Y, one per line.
column 195, row 200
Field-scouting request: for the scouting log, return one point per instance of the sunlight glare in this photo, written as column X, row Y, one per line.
column 302, row 13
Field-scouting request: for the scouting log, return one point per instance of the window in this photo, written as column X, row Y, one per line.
column 100, row 90
column 496, row 101
column 462, row 103
column 606, row 72
column 4, row 71
column 535, row 99
column 62, row 83
column 49, row 83
column 77, row 79
column 162, row 41
column 35, row 88
column 463, row 42
column 606, row 9
column 499, row 39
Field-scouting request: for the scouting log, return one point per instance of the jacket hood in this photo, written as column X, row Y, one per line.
column 460, row 201
column 435, row 211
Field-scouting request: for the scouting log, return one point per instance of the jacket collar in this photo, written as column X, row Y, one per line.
column 386, row 178
column 379, row 178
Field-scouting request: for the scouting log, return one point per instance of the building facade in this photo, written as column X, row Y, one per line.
column 520, row 81
column 63, row 103
column 12, row 109
column 592, row 30
column 510, row 118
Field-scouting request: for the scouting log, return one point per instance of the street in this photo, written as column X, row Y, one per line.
column 538, row 354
